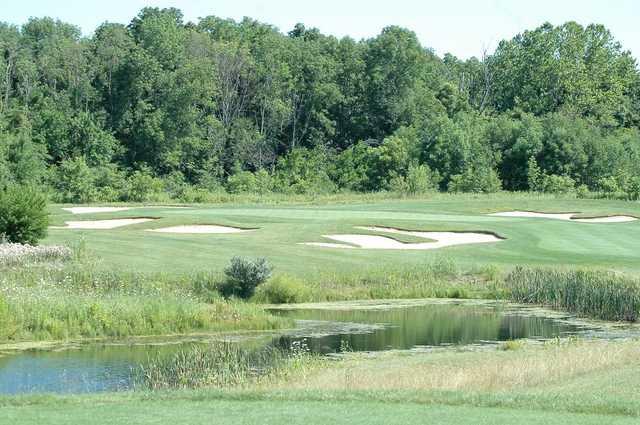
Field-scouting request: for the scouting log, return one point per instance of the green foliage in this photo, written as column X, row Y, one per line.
column 476, row 180
column 534, row 176
column 23, row 215
column 142, row 187
column 557, row 184
column 75, row 181
column 244, row 275
column 259, row 182
column 240, row 105
column 303, row 171
column 283, row 289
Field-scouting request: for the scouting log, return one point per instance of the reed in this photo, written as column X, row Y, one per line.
column 219, row 365
column 596, row 294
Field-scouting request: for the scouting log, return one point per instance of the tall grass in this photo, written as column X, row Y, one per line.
column 439, row 278
column 219, row 365
column 78, row 300
column 597, row 294
column 14, row 254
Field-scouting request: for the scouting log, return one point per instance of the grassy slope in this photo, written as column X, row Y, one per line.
column 524, row 386
column 529, row 241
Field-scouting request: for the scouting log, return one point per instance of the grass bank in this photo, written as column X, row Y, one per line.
column 570, row 382
column 76, row 300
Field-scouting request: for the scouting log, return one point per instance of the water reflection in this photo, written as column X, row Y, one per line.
column 430, row 325
column 95, row 368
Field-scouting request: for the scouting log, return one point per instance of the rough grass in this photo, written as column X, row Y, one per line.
column 576, row 383
column 484, row 371
column 77, row 300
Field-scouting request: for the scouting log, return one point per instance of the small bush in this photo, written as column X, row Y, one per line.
column 420, row 179
column 142, row 186
column 244, row 275
column 23, row 215
column 512, row 345
column 75, row 181
column 283, row 289
column 242, row 182
column 476, row 180
column 558, row 184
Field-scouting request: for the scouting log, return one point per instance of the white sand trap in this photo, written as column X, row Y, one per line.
column 102, row 224
column 441, row 239
column 566, row 216
column 200, row 229
column 328, row 245
column 91, row 210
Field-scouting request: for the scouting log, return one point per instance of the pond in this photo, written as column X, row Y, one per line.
column 368, row 327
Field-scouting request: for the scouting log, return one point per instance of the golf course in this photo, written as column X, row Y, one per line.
column 458, row 350
column 278, row 232
column 251, row 212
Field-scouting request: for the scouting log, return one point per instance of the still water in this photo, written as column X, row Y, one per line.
column 95, row 368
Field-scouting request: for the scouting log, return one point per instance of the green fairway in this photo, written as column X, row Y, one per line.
column 280, row 229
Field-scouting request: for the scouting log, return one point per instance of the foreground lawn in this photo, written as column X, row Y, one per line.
column 281, row 227
column 292, row 412
column 574, row 383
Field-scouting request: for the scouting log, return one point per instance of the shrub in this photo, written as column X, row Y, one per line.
column 242, row 182
column 534, row 175
column 398, row 184
column 420, row 179
column 244, row 275
column 558, row 184
column 142, row 186
column 513, row 345
column 75, row 181
column 476, row 180
column 23, row 215
column 264, row 182
column 283, row 289
column 633, row 189
column 196, row 195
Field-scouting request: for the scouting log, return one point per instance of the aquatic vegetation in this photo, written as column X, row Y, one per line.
column 220, row 365
column 598, row 294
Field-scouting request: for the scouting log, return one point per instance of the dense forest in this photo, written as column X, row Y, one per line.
column 167, row 109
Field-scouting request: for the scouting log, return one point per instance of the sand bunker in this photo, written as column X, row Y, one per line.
column 440, row 239
column 200, row 229
column 567, row 216
column 91, row 210
column 102, row 224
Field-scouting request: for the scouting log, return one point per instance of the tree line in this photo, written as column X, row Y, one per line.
column 163, row 107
